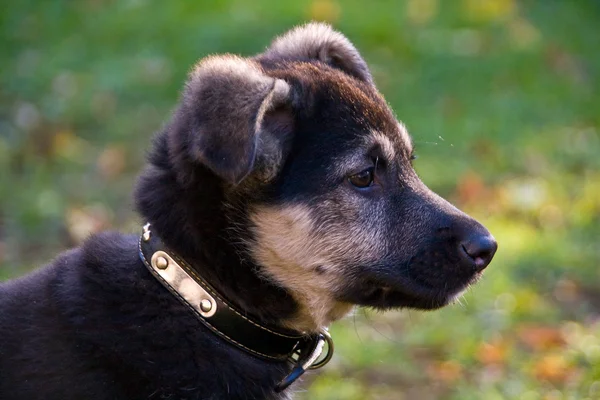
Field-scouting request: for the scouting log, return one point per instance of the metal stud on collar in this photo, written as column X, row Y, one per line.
column 206, row 305
column 162, row 263
column 179, row 281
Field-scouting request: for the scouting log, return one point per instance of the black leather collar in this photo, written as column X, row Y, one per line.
column 230, row 324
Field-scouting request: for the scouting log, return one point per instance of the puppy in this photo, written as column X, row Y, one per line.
column 280, row 195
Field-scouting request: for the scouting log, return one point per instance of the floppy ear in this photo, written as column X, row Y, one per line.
column 318, row 41
column 225, row 102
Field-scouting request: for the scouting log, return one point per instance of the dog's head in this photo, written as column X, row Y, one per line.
column 319, row 182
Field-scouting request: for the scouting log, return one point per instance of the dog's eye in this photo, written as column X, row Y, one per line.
column 413, row 157
column 363, row 179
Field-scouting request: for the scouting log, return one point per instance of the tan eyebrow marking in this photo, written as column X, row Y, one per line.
column 406, row 140
column 386, row 145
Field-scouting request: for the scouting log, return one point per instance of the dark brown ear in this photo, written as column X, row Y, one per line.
column 318, row 41
column 225, row 102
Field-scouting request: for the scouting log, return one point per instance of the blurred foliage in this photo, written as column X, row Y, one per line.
column 501, row 98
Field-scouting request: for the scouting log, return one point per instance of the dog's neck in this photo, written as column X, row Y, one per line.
column 187, row 212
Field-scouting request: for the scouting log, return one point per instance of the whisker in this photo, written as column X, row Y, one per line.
column 355, row 329
column 377, row 330
column 422, row 142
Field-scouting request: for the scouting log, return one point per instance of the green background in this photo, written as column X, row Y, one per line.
column 501, row 98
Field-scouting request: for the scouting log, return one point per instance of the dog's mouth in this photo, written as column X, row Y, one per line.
column 407, row 292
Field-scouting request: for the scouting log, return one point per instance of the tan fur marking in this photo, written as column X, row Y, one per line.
column 404, row 135
column 288, row 260
column 290, row 246
column 386, row 145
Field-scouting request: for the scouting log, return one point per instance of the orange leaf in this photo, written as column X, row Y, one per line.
column 446, row 371
column 540, row 338
column 553, row 368
column 492, row 353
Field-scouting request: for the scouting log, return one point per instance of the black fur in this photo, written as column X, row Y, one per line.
column 96, row 325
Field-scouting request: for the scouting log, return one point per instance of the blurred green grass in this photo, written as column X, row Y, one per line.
column 501, row 98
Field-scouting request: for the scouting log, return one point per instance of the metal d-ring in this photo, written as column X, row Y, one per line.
column 309, row 361
column 327, row 337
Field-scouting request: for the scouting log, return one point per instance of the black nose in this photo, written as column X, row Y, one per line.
column 478, row 250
